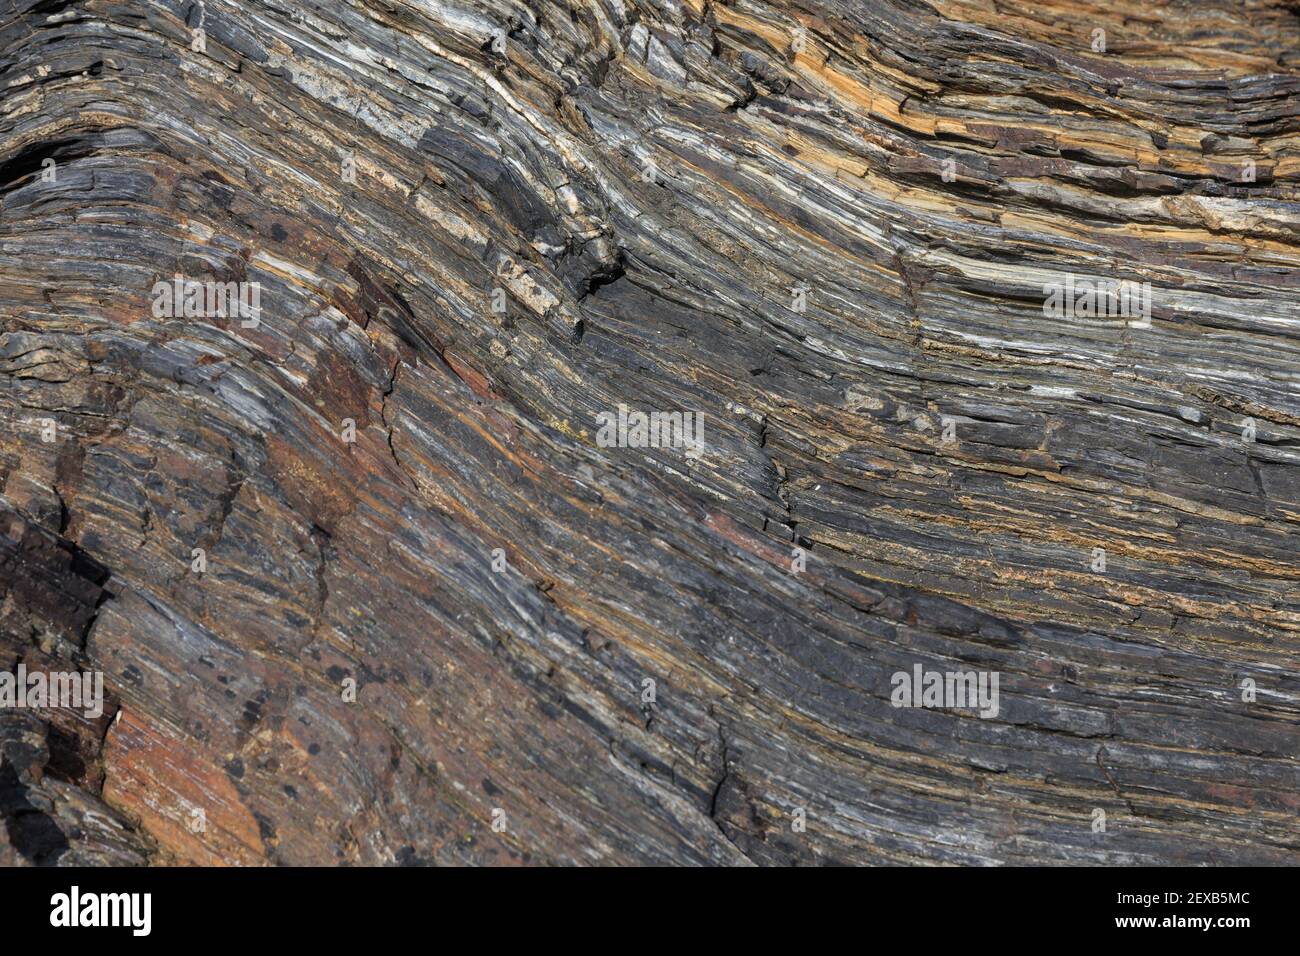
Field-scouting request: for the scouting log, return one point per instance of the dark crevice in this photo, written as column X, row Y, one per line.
column 604, row 275
column 31, row 831
column 388, row 429
column 26, row 163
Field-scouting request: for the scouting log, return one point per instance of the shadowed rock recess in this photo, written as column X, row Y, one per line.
column 474, row 634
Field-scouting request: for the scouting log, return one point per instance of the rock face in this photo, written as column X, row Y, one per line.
column 366, row 581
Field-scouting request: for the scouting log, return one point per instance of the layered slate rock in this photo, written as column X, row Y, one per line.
column 51, row 772
column 826, row 228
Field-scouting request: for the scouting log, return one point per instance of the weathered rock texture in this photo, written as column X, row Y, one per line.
column 645, row 181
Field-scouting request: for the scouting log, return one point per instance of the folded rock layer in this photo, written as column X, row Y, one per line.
column 365, row 582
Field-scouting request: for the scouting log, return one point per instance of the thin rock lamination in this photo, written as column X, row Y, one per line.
column 826, row 229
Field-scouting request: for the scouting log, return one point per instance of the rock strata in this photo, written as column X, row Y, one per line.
column 363, row 584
